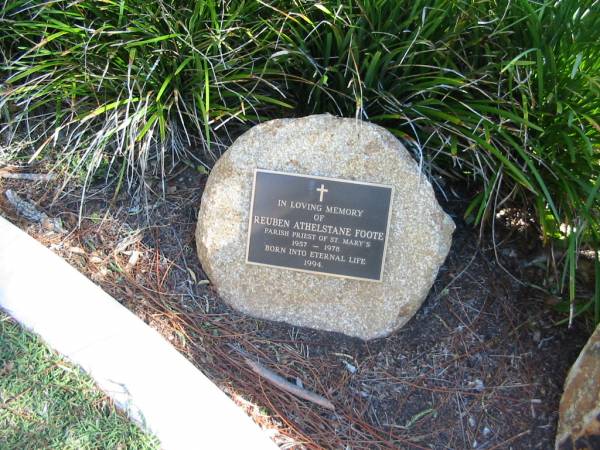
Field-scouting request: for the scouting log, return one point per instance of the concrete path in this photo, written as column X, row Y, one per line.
column 130, row 361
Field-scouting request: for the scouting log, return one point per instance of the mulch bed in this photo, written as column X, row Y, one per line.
column 480, row 366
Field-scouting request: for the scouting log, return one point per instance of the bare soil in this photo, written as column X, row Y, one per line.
column 480, row 366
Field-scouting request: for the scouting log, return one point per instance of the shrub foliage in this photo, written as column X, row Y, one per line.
column 502, row 94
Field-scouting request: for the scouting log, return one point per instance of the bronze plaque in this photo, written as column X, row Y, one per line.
column 321, row 225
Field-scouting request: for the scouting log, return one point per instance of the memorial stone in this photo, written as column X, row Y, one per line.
column 322, row 222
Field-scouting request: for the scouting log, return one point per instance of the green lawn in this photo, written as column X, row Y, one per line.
column 46, row 403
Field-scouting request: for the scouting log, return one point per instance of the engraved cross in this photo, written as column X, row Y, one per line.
column 322, row 190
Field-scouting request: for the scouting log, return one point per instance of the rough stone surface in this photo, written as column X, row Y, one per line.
column 419, row 239
column 579, row 420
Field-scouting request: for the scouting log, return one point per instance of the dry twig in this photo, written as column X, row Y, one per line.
column 284, row 384
column 28, row 176
column 30, row 212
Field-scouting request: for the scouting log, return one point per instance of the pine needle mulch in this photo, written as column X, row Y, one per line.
column 480, row 366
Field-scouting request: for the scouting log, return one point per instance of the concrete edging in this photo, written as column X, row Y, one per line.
column 130, row 361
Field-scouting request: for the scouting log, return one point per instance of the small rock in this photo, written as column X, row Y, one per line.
column 133, row 259
column 350, row 367
column 579, row 410
column 477, row 384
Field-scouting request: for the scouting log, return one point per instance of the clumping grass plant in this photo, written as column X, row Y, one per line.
column 502, row 94
column 141, row 82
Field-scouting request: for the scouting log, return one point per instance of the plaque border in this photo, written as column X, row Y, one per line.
column 315, row 272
